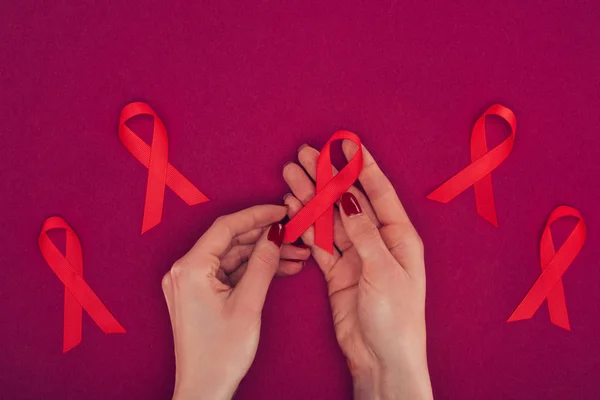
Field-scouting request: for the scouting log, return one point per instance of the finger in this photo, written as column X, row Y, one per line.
column 286, row 268
column 309, row 156
column 222, row 277
column 251, row 291
column 250, row 237
column 236, row 276
column 239, row 254
column 300, row 184
column 375, row 256
column 398, row 233
column 324, row 259
column 304, row 190
column 379, row 189
column 218, row 238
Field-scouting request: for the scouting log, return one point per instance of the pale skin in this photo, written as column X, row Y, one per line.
column 375, row 279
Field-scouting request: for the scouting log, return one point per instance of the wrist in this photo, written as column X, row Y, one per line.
column 365, row 383
column 201, row 389
column 406, row 381
column 400, row 380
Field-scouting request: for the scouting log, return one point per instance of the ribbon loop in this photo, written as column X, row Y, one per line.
column 78, row 294
column 554, row 264
column 155, row 157
column 329, row 188
column 483, row 162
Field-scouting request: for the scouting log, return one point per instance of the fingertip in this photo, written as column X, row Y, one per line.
column 350, row 205
column 275, row 235
column 289, row 267
column 294, row 205
column 307, row 155
column 287, row 167
column 349, row 148
column 280, row 211
column 302, row 146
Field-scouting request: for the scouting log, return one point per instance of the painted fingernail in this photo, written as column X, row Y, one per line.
column 301, row 147
column 350, row 205
column 275, row 234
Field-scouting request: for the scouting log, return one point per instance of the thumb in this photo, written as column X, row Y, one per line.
column 364, row 235
column 262, row 265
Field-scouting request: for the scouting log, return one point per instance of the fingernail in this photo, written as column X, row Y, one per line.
column 350, row 205
column 286, row 164
column 301, row 147
column 275, row 234
column 285, row 196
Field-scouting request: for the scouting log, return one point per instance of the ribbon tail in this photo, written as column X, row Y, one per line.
column 153, row 205
column 73, row 313
column 484, row 199
column 324, row 231
column 439, row 196
column 557, row 307
column 157, row 178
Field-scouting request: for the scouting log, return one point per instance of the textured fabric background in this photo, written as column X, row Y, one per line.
column 240, row 86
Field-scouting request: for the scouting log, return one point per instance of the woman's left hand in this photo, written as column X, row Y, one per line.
column 215, row 299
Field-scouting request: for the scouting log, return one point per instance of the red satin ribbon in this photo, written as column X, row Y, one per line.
column 69, row 269
column 155, row 158
column 319, row 210
column 483, row 162
column 554, row 264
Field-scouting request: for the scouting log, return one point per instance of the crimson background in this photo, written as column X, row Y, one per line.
column 240, row 85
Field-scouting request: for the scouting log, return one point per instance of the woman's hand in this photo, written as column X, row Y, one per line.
column 215, row 295
column 376, row 280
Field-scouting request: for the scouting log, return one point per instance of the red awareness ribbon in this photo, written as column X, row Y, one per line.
column 554, row 264
column 155, row 158
column 319, row 210
column 483, row 162
column 78, row 294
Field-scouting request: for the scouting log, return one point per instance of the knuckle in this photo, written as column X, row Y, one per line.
column 405, row 240
column 177, row 272
column 220, row 220
column 419, row 243
column 366, row 232
column 166, row 282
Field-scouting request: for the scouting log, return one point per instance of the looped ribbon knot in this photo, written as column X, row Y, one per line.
column 329, row 188
column 483, row 162
column 155, row 157
column 78, row 294
column 554, row 263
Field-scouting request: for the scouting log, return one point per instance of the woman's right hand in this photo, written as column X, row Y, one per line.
column 376, row 280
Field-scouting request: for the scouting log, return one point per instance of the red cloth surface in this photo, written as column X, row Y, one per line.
column 239, row 87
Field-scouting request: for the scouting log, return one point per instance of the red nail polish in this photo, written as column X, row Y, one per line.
column 275, row 234
column 350, row 204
